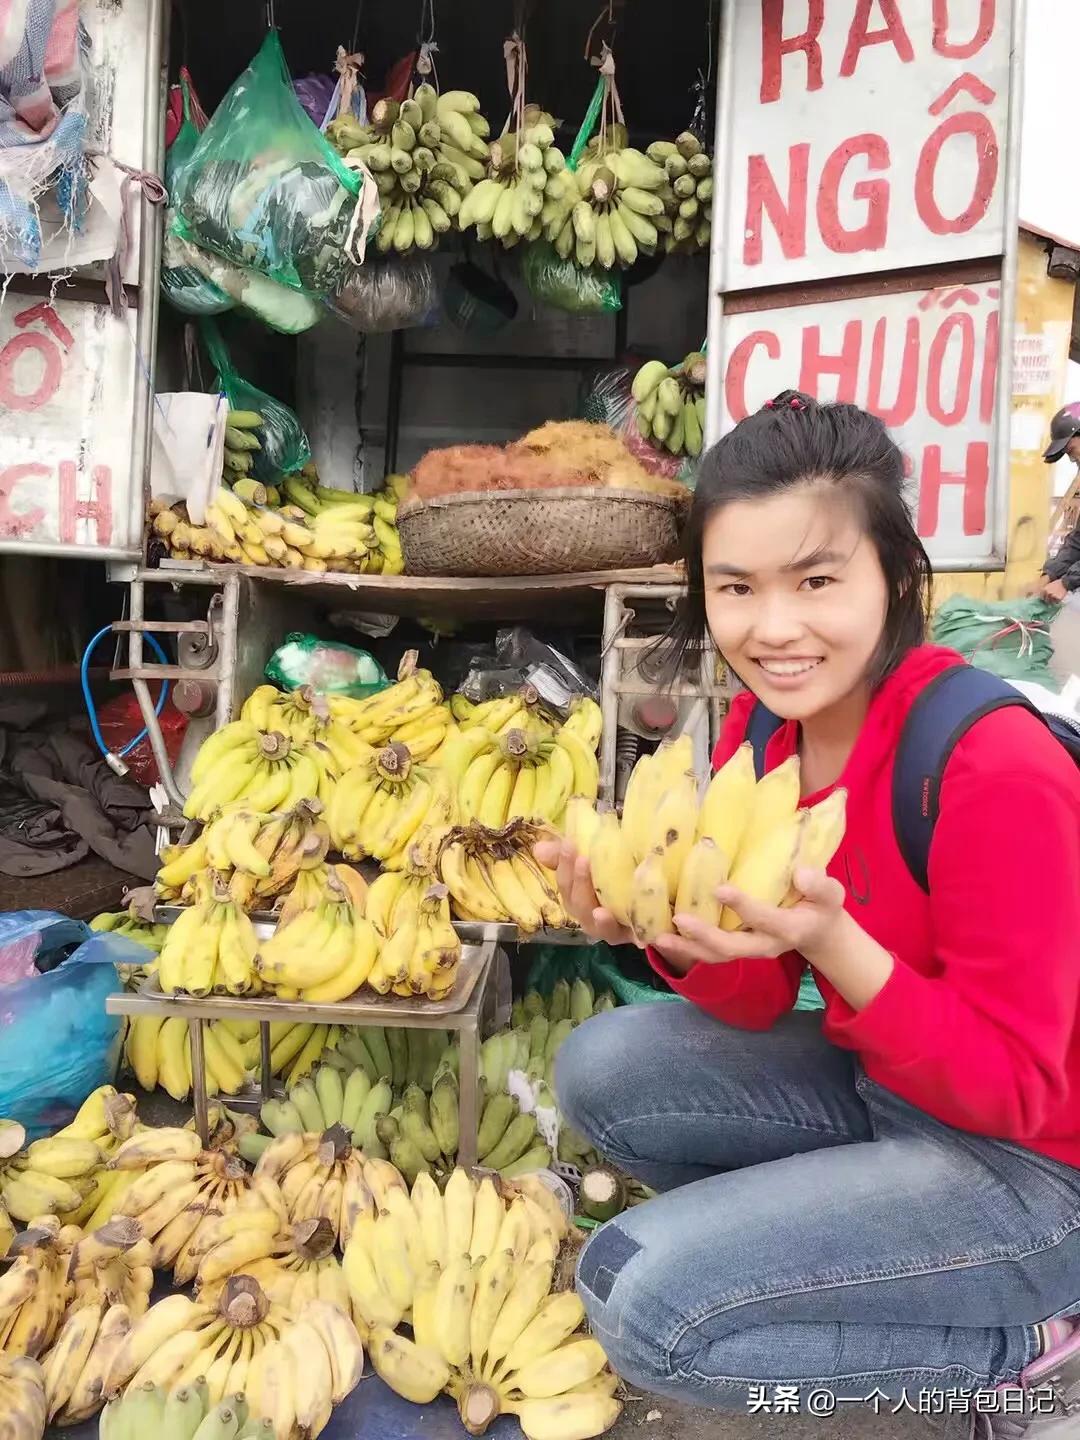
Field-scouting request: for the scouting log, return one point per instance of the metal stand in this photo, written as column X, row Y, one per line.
column 461, row 1012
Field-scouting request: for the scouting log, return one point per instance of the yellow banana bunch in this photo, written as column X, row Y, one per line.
column 383, row 806
column 211, row 947
column 111, row 1266
column 158, row 1053
column 323, row 954
column 421, row 953
column 612, row 209
column 525, row 178
column 319, row 1175
column 494, row 878
column 416, row 695
column 53, row 1176
column 264, row 769
column 689, row 192
column 22, row 1398
column 131, row 926
column 669, row 855
column 34, row 1289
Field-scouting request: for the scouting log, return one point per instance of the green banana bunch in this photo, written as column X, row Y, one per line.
column 525, row 179
column 612, row 210
column 426, row 153
column 689, row 170
column 671, row 404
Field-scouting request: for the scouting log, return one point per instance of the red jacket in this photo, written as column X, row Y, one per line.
column 978, row 1024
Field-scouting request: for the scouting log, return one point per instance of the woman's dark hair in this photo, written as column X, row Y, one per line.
column 791, row 441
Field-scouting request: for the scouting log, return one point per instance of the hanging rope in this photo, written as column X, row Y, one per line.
column 606, row 17
column 349, row 69
column 699, row 123
column 428, row 47
column 611, row 112
column 517, row 73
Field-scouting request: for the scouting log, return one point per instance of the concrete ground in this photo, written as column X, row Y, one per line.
column 651, row 1417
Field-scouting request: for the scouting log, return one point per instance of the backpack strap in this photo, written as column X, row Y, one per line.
column 940, row 718
column 760, row 729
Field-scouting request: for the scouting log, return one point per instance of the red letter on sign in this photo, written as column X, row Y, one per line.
column 789, row 221
column 859, row 36
column 975, row 480
column 735, row 379
column 15, row 523
column 845, row 365
column 774, row 46
column 991, row 346
column 52, row 372
column 962, row 50
column 903, row 409
column 73, row 509
column 873, row 234
column 986, row 148
column 935, row 404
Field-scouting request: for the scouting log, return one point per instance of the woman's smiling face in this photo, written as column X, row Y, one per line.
column 795, row 597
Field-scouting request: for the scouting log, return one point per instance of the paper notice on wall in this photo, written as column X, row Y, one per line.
column 1035, row 368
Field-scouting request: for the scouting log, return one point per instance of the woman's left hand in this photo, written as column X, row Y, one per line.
column 811, row 926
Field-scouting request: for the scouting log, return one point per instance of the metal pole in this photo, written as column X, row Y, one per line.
column 198, row 1081
column 714, row 377
column 393, row 402
column 266, row 1072
column 227, row 643
column 610, row 665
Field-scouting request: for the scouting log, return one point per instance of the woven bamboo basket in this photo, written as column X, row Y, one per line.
column 538, row 532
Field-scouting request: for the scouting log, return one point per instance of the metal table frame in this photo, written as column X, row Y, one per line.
column 375, row 1011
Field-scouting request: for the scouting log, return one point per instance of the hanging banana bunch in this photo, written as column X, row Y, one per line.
column 425, row 153
column 689, row 170
column 671, row 404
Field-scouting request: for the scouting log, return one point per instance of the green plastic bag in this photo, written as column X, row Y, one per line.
column 567, row 285
column 181, row 284
column 1010, row 638
column 265, row 189
column 328, row 666
column 285, row 448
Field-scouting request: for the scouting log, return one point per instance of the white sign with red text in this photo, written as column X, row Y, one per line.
column 68, row 377
column 924, row 360
column 864, row 135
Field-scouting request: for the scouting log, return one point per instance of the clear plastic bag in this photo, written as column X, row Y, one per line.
column 611, row 402
column 328, row 666
column 380, row 295
column 567, row 285
column 290, row 312
column 183, row 286
column 56, row 1041
column 265, row 189
column 285, row 448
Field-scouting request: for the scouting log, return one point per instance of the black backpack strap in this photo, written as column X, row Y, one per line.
column 760, row 729
column 939, row 719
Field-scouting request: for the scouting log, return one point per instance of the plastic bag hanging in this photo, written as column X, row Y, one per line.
column 266, row 190
column 183, row 286
column 285, row 448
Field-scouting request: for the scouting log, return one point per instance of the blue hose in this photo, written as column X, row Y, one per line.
column 91, row 709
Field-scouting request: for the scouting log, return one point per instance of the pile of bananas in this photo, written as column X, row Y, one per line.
column 689, row 170
column 611, row 209
column 425, row 153
column 405, row 712
column 670, row 852
column 243, row 1354
column 76, row 1368
column 671, row 404
column 514, row 777
column 520, row 183
column 320, row 954
column 111, row 1266
column 386, row 804
column 309, row 1105
column 299, row 525
column 212, row 946
column 263, row 769
column 494, row 878
column 63, row 1174
column 474, row 1267
column 23, row 1411
column 320, row 1176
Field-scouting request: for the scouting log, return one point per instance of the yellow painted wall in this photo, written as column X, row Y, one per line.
column 1044, row 307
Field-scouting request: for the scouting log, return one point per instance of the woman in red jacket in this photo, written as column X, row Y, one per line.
column 883, row 1204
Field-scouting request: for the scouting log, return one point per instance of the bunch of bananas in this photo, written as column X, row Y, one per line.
column 323, row 954
column 514, row 777
column 689, row 169
column 610, row 210
column 111, row 1266
column 390, row 714
column 131, row 927
column 426, row 153
column 299, row 525
column 292, row 1263
column 494, row 878
column 158, row 1052
column 263, row 769
column 524, row 178
column 23, row 1411
column 670, row 853
column 303, row 716
column 386, row 804
column 422, row 954
column 175, row 1189
column 76, row 1367
column 35, row 1289
column 53, row 1176
column 149, row 1411
column 671, row 403
column 332, row 1096
column 476, row 1274
column 271, row 1364
column 211, row 946
column 319, row 1175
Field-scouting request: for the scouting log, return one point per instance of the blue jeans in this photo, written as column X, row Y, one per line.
column 815, row 1230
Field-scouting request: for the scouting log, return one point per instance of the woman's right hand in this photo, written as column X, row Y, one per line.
column 578, row 895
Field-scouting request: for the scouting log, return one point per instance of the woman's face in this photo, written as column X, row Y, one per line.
column 795, row 598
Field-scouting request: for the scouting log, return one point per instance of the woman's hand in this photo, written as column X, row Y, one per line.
column 1054, row 591
column 810, row 927
column 578, row 895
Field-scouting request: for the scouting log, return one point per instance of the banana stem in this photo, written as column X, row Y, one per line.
column 478, row 1406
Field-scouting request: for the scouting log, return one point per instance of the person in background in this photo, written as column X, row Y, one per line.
column 1061, row 575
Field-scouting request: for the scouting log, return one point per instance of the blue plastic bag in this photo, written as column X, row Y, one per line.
column 56, row 1042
